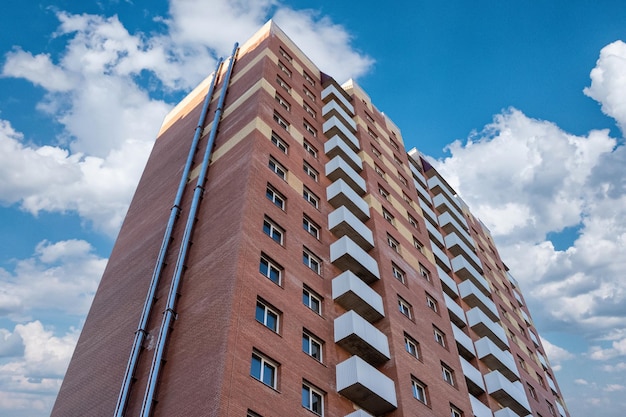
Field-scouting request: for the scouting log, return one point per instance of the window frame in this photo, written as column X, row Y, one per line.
column 271, row 266
column 405, row 308
column 282, row 102
column 265, row 362
column 283, row 84
column 309, row 128
column 310, row 149
column 309, row 110
column 267, row 308
column 313, row 392
column 310, row 197
column 310, row 171
column 311, row 227
column 383, row 193
column 284, row 69
column 312, row 341
column 432, row 303
column 398, row 273
column 280, row 120
column 284, row 54
column 424, row 272
column 412, row 346
column 273, row 230
column 312, row 261
column 393, row 243
column 440, row 337
column 278, row 168
column 279, row 143
column 418, row 386
column 389, row 217
column 275, row 195
column 310, row 298
column 447, row 374
column 309, row 94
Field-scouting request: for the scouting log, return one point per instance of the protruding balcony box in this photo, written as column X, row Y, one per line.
column 342, row 222
column 505, row 412
column 347, row 255
column 422, row 191
column 509, row 394
column 457, row 316
column 366, row 386
column 561, row 409
column 334, row 108
column 552, row 385
column 417, row 174
column 442, row 204
column 518, row 297
column 440, row 257
column 350, row 292
column 542, row 360
column 359, row 337
column 438, row 186
column 479, row 409
column 435, row 235
column 483, row 326
column 336, row 146
column 463, row 342
column 512, row 280
column 450, row 225
column 359, row 413
column 533, row 337
column 334, row 126
column 465, row 270
column 475, row 298
column 337, row 168
column 429, row 214
column 449, row 286
column 496, row 358
column 340, row 194
column 331, row 92
column 526, row 317
column 456, row 246
column 473, row 377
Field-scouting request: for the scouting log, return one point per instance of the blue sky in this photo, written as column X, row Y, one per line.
column 522, row 105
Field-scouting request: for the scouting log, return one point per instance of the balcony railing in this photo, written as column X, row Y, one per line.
column 475, row 298
column 331, row 92
column 338, row 168
column 457, row 316
column 422, row 191
column 348, row 256
column 429, row 214
column 479, row 409
column 443, row 204
column 463, row 342
column 440, row 257
column 341, row 194
column 483, row 326
column 509, row 394
column 350, row 292
column 473, row 377
column 334, row 126
column 465, row 270
column 449, row 285
column 496, row 358
column 334, row 108
column 449, row 225
column 437, row 186
column 336, row 146
column 342, row 222
column 456, row 246
column 359, row 337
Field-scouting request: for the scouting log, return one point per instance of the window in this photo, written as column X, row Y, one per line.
column 447, row 373
column 283, row 84
column 424, row 272
column 393, row 243
column 312, row 346
column 267, row 316
column 419, row 390
column 388, row 216
column 279, row 143
column 310, row 197
column 264, row 369
column 418, row 245
column 440, row 336
column 407, row 199
column 309, row 128
column 281, row 121
column 282, row 102
column 312, row 300
column 397, row 160
column 284, row 69
column 412, row 221
column 455, row 412
column 251, row 413
column 312, row 399
column 312, row 262
column 394, row 144
column 405, row 308
column 309, row 110
column 522, row 363
column 398, row 273
column 308, row 93
column 308, row 78
column 284, row 54
column 310, row 149
column 383, row 193
column 550, row 408
column 432, row 303
column 275, row 166
column 273, row 230
column 372, row 134
column 310, row 171
column 531, row 390
column 403, row 180
column 376, row 152
column 275, row 197
column 311, row 227
column 368, row 118
column 411, row 346
column 379, row 171
column 270, row 269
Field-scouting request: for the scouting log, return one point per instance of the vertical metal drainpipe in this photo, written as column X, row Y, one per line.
column 169, row 312
column 140, row 334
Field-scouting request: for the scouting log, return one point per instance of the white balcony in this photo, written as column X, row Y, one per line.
column 518, row 297
column 334, row 108
column 479, row 409
column 366, row 386
column 336, row 146
column 463, row 342
column 507, row 393
column 475, row 298
column 456, row 246
column 506, row 412
column 435, row 235
column 483, row 326
column 542, row 360
column 526, row 317
column 450, row 225
column 496, row 358
column 341, row 222
column 334, row 126
column 341, row 194
column 533, row 337
column 417, row 174
column 473, row 377
column 422, row 191
column 438, row 186
column 449, row 286
column 465, row 270
column 331, row 92
column 348, row 256
column 443, row 204
column 350, row 292
column 552, row 385
column 561, row 409
column 429, row 214
column 359, row 337
column 457, row 316
column 359, row 413
column 440, row 257
column 512, row 280
column 338, row 168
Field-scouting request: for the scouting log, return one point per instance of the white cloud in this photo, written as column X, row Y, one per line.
column 614, row 387
column 556, row 354
column 618, row 348
column 580, row 381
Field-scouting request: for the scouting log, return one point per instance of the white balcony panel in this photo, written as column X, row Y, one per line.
column 526, row 317
column 552, row 385
column 465, row 270
column 332, row 92
column 496, row 358
column 506, row 412
column 507, row 393
column 475, row 298
column 341, row 222
column 513, row 280
column 449, row 286
column 479, row 409
column 457, row 246
column 542, row 360
column 437, row 186
column 450, row 225
column 334, row 107
column 336, row 146
column 457, row 316
column 366, row 386
column 561, row 409
column 417, row 174
column 533, row 338
column 341, row 194
column 473, row 377
column 464, row 343
column 483, row 326
column 359, row 413
column 518, row 297
column 422, row 191
column 429, row 214
column 334, row 126
column 435, row 235
column 443, row 204
column 440, row 257
column 359, row 337
column 350, row 292
column 348, row 256
column 337, row 168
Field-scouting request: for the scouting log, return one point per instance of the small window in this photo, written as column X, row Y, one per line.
column 379, row 171
column 411, row 346
column 311, row 227
column 398, row 273
column 283, row 84
column 312, row 346
column 281, row 121
column 432, row 303
column 405, row 308
column 312, row 300
column 424, row 272
column 309, row 110
column 312, row 262
column 279, row 143
column 264, row 369
column 310, row 197
column 393, row 243
column 412, row 221
column 407, row 199
column 522, row 363
column 310, row 149
column 440, row 336
column 550, row 408
column 419, row 390
column 384, row 193
column 418, row 245
column 278, row 169
column 389, row 217
column 403, row 180
column 274, row 231
column 372, row 134
column 397, row 160
column 394, row 144
column 310, row 171
column 275, row 197
column 285, row 54
column 531, row 390
column 270, row 269
column 369, row 118
column 540, row 379
column 376, row 152
column 267, row 316
column 309, row 128
column 251, row 413
column 455, row 412
column 284, row 69
column 308, row 78
column 447, row 373
column 312, row 399
column 283, row 103
column 309, row 94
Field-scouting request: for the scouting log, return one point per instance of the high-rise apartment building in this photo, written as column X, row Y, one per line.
column 285, row 256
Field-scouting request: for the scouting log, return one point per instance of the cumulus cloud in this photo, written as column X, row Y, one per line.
column 556, row 354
